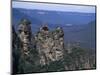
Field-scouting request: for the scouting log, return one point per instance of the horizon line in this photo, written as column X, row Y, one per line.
column 54, row 7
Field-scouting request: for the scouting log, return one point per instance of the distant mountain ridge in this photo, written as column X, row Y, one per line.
column 85, row 35
column 46, row 51
column 82, row 28
column 56, row 17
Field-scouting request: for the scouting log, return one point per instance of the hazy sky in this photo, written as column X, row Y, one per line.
column 55, row 7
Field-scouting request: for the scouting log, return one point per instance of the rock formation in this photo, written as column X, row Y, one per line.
column 45, row 51
column 24, row 33
column 26, row 60
column 50, row 44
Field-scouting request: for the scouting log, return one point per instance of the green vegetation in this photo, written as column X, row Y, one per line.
column 33, row 56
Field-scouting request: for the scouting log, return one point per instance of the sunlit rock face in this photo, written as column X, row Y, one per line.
column 50, row 44
column 39, row 49
column 45, row 51
column 24, row 33
column 26, row 61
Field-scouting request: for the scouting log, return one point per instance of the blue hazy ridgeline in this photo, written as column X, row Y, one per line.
column 77, row 26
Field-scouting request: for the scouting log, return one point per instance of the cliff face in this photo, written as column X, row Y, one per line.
column 37, row 50
column 50, row 44
column 27, row 56
column 45, row 51
column 24, row 33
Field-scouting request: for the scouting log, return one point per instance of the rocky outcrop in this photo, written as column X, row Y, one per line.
column 24, row 33
column 45, row 51
column 41, row 49
column 26, row 61
column 50, row 44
